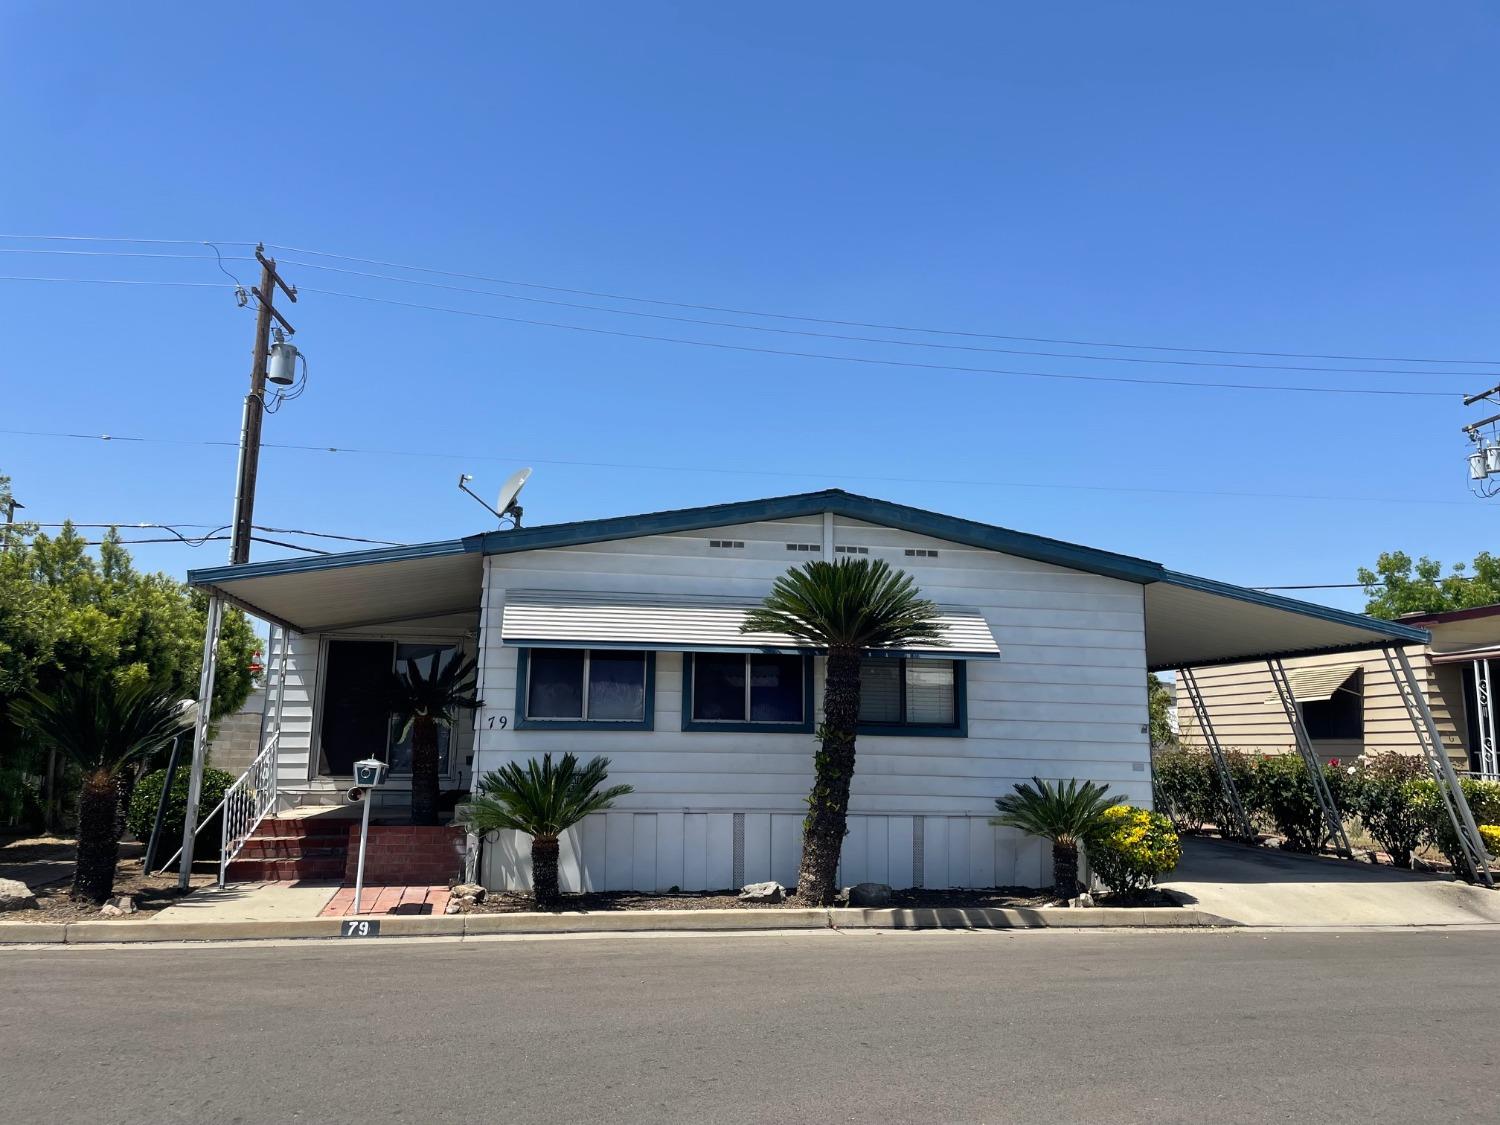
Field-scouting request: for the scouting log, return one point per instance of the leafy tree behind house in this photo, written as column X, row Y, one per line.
column 1160, row 699
column 65, row 611
column 1398, row 586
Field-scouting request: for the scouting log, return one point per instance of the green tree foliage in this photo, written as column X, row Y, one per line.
column 543, row 801
column 1066, row 814
column 104, row 725
column 422, row 703
column 846, row 608
column 1160, row 698
column 66, row 611
column 1398, row 586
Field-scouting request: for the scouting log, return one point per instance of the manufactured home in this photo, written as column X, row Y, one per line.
column 1351, row 703
column 622, row 637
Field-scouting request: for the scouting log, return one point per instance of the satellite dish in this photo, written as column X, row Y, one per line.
column 505, row 503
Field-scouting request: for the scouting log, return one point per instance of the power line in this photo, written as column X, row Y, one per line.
column 722, row 346
column 870, row 324
column 132, row 524
column 783, row 474
column 754, row 312
column 908, row 364
column 864, row 339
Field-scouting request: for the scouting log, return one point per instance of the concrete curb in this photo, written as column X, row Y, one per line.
column 635, row 921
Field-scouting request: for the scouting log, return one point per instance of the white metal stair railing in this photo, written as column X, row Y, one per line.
column 1443, row 773
column 1333, row 820
column 1489, row 757
column 1241, row 826
column 247, row 802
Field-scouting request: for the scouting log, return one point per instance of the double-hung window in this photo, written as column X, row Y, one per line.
column 900, row 696
column 571, row 688
column 747, row 691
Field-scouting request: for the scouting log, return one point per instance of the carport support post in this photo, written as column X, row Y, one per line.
column 200, row 736
column 1448, row 787
column 1333, row 819
column 1241, row 826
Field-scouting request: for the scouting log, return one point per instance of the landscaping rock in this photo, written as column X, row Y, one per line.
column 870, row 894
column 470, row 892
column 454, row 906
column 1083, row 901
column 16, row 895
column 119, row 906
column 762, row 892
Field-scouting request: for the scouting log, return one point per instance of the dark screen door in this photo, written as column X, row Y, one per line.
column 355, row 724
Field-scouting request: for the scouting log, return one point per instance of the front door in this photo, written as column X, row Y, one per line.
column 356, row 718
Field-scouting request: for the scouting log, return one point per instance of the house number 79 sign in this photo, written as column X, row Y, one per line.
column 360, row 927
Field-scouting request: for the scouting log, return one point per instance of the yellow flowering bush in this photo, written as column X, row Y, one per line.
column 1490, row 834
column 1132, row 847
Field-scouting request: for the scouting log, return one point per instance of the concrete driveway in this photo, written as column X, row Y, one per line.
column 1261, row 887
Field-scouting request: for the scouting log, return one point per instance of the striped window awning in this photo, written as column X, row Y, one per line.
column 1315, row 685
column 564, row 619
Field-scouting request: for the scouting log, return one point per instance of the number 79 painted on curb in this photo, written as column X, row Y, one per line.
column 360, row 927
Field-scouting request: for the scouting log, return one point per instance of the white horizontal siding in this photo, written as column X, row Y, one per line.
column 1065, row 699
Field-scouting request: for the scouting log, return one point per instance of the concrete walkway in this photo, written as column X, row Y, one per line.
column 1264, row 887
column 250, row 902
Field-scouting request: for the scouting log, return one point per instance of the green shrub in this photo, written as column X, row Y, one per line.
column 1132, row 848
column 1484, row 802
column 1284, row 793
column 143, row 809
column 1385, row 791
column 1183, row 786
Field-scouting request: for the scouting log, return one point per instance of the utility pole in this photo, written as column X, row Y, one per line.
column 240, row 534
column 1484, row 460
column 11, row 504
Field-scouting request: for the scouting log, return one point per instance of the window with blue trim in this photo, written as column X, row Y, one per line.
column 575, row 687
column 747, row 691
column 897, row 695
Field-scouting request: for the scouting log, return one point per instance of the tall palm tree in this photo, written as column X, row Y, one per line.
column 1065, row 814
column 105, row 728
column 422, row 703
column 543, row 801
column 847, row 608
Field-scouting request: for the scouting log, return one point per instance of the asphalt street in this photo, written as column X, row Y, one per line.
column 1031, row 1027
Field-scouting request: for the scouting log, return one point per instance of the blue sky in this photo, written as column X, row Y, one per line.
column 1273, row 177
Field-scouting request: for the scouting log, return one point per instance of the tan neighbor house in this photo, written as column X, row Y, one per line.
column 1350, row 704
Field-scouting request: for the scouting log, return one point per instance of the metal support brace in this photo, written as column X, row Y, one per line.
column 1241, row 826
column 200, row 735
column 1448, row 787
column 1489, row 758
column 1333, row 819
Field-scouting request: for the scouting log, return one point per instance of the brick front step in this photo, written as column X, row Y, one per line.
column 272, row 870
column 315, row 848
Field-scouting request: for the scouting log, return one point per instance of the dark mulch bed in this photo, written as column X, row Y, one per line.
column 153, row 894
column 514, row 903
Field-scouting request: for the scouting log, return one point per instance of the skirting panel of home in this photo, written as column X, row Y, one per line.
column 655, row 851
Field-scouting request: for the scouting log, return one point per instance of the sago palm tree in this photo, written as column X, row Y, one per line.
column 104, row 728
column 422, row 703
column 847, row 608
column 542, row 800
column 1064, row 814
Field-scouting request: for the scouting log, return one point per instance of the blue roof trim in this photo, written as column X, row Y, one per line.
column 1390, row 629
column 837, row 501
column 212, row 575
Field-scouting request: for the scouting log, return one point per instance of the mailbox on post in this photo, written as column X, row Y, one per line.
column 369, row 774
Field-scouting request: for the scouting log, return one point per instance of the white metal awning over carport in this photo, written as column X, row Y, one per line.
column 567, row 619
column 1194, row 622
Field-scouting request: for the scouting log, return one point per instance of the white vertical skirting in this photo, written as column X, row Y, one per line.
column 654, row 851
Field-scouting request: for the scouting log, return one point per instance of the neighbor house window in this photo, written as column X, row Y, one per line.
column 356, row 722
column 734, row 690
column 897, row 696
column 1340, row 716
column 584, row 687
